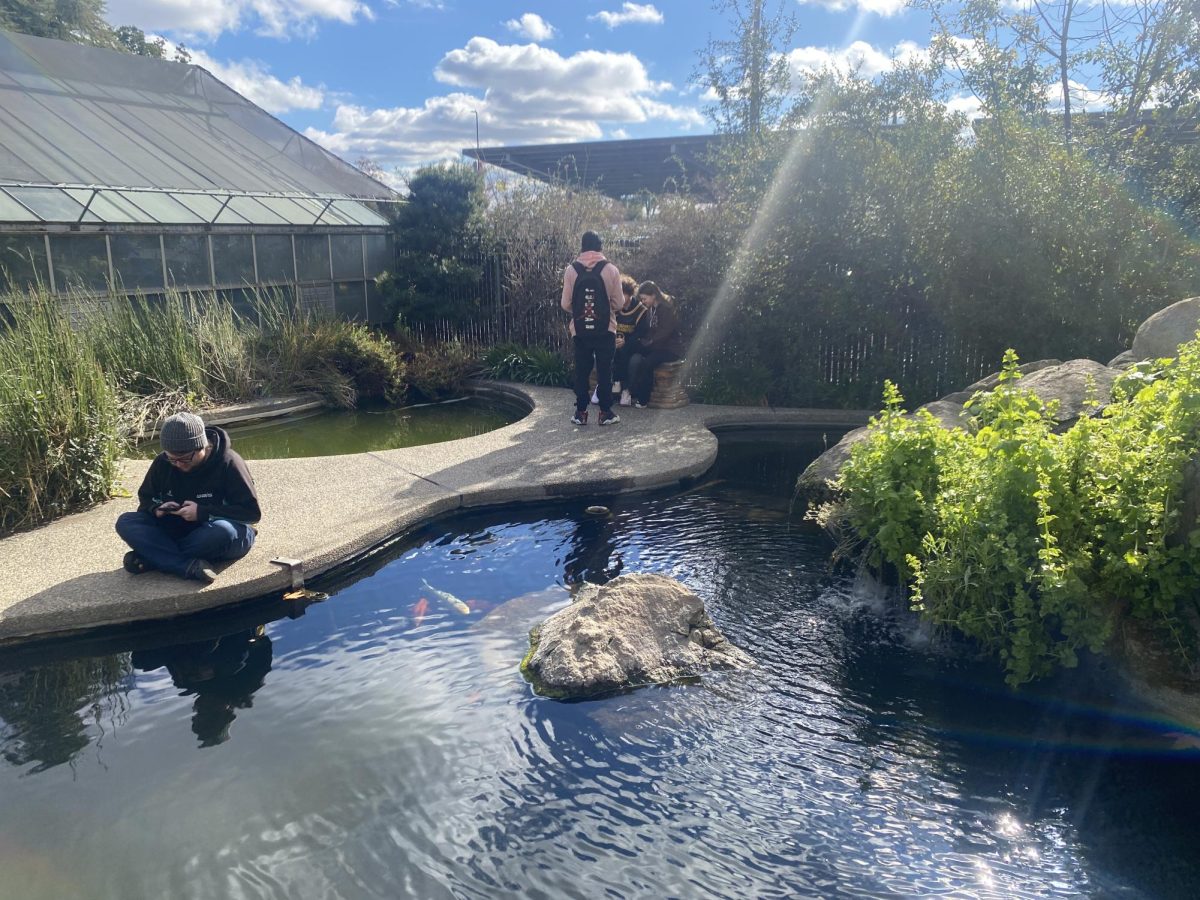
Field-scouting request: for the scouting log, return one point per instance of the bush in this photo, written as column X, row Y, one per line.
column 437, row 372
column 1033, row 543
column 530, row 365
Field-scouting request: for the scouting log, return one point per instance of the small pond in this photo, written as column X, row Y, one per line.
column 366, row 429
column 374, row 745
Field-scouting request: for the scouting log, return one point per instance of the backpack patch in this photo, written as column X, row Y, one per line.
column 589, row 302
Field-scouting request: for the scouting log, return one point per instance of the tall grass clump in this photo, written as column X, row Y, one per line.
column 342, row 361
column 59, row 417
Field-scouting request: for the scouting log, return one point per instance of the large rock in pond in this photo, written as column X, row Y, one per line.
column 1162, row 333
column 635, row 630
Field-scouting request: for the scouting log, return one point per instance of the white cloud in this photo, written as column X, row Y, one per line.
column 618, row 134
column 859, row 57
column 631, row 13
column 253, row 80
column 1082, row 97
column 879, row 7
column 531, row 26
column 522, row 93
column 206, row 19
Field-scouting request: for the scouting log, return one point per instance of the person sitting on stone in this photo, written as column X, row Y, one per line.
column 662, row 342
column 196, row 504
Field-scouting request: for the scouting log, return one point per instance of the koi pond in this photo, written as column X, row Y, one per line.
column 382, row 743
column 366, row 429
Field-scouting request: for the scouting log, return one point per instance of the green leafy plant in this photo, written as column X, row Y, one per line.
column 530, row 365
column 1033, row 543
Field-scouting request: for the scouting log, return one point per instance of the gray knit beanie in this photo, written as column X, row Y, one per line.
column 183, row 433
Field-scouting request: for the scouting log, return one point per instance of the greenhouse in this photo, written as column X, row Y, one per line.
column 137, row 174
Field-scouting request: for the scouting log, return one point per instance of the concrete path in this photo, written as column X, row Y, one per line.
column 67, row 576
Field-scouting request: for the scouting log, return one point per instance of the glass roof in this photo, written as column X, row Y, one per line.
column 148, row 135
column 43, row 203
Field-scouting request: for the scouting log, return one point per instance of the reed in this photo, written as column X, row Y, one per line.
column 59, row 416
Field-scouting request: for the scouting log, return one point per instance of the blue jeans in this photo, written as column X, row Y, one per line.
column 170, row 544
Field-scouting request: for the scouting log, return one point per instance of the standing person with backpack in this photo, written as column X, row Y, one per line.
column 592, row 295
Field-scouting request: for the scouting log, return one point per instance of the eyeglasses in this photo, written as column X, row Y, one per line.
column 181, row 459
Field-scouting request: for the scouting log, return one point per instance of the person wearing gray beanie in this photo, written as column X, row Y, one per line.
column 196, row 505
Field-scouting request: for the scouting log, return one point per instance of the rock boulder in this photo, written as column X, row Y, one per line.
column 635, row 630
column 1162, row 333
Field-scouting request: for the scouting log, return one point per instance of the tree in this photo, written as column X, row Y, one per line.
column 437, row 231
column 748, row 73
column 78, row 21
column 133, row 40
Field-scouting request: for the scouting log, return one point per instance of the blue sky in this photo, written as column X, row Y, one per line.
column 400, row 81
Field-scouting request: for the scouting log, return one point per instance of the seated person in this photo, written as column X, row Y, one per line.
column 662, row 342
column 195, row 506
column 632, row 327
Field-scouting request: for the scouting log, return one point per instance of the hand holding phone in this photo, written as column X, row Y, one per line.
column 166, row 509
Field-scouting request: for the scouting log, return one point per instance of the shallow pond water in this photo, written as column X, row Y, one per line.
column 366, row 429
column 374, row 746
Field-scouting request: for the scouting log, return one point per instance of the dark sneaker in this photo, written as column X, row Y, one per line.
column 201, row 570
column 638, row 404
column 609, row 418
column 134, row 564
column 580, row 417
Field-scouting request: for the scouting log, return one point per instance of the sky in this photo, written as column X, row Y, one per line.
column 402, row 81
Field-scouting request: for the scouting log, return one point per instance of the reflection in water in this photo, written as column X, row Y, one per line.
column 394, row 749
column 222, row 674
column 49, row 711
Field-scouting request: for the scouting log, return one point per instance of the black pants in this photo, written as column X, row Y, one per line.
column 621, row 363
column 641, row 370
column 596, row 350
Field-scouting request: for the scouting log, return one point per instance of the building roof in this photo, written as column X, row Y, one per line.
column 95, row 135
column 616, row 168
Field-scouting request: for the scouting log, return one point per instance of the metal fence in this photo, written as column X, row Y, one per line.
column 828, row 364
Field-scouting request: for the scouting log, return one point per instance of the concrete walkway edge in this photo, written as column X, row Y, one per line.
column 327, row 511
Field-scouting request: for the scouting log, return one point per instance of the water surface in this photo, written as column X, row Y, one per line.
column 375, row 746
column 366, row 429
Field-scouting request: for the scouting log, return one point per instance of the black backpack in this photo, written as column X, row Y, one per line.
column 589, row 302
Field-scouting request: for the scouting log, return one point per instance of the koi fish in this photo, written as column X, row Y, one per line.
column 420, row 608
column 449, row 599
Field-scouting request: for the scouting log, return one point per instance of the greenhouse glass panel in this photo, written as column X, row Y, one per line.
column 163, row 208
column 204, row 205
column 288, row 210
column 113, row 207
column 12, row 211
column 379, row 254
column 349, row 302
column 137, row 261
column 331, row 216
column 275, row 257
column 312, row 257
column 51, row 204
column 252, row 211
column 347, row 256
column 375, row 306
column 187, row 260
column 358, row 213
column 233, row 258
column 228, row 217
column 80, row 262
column 22, row 262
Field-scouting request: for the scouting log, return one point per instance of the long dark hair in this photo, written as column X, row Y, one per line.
column 649, row 287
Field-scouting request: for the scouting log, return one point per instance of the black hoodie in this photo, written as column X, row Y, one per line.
column 221, row 486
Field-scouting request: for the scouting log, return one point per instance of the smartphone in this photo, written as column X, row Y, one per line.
column 169, row 506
